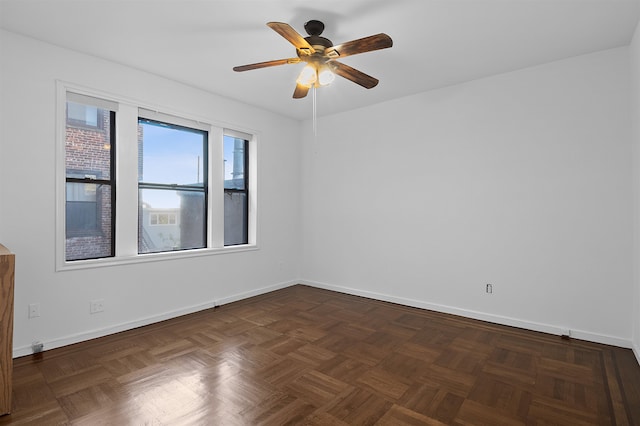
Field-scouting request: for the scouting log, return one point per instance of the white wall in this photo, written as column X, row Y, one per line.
column 522, row 180
column 140, row 293
column 635, row 116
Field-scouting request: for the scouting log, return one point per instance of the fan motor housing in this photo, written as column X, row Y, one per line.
column 315, row 40
column 314, row 28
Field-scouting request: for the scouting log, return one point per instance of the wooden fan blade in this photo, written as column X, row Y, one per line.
column 301, row 91
column 286, row 31
column 361, row 45
column 354, row 75
column 266, row 64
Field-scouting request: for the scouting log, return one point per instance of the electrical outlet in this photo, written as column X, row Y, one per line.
column 489, row 288
column 96, row 306
column 34, row 310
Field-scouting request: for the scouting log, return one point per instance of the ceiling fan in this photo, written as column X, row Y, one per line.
column 320, row 55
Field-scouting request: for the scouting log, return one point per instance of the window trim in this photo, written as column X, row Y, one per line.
column 126, row 176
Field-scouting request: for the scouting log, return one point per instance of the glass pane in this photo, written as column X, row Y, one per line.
column 171, row 220
column 88, row 142
column 83, row 115
column 171, row 154
column 235, row 218
column 234, row 177
column 88, row 221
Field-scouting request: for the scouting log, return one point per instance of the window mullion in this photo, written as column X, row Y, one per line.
column 252, row 185
column 170, row 187
column 127, row 181
column 91, row 181
column 216, row 187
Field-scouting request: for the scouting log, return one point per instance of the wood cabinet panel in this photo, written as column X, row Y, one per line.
column 7, row 274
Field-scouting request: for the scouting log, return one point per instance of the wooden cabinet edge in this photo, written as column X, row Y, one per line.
column 7, row 276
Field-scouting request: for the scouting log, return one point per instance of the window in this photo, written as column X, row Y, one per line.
column 172, row 177
column 85, row 115
column 83, row 208
column 163, row 219
column 236, row 192
column 185, row 187
column 90, row 188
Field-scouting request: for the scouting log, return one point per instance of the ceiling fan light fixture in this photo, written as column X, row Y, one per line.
column 308, row 76
column 326, row 76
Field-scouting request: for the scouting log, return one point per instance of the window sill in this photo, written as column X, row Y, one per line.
column 151, row 257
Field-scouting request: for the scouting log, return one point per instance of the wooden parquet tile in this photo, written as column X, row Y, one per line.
column 306, row 356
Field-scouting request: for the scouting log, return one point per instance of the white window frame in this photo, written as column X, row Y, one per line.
column 126, row 207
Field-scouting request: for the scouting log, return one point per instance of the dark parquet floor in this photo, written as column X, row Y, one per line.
column 309, row 356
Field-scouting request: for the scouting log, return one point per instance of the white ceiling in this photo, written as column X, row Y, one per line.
column 436, row 42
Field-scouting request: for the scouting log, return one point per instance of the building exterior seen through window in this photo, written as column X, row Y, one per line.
column 236, row 191
column 169, row 218
column 90, row 189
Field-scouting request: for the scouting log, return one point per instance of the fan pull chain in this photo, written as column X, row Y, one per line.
column 315, row 112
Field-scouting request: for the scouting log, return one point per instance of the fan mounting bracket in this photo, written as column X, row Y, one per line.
column 314, row 27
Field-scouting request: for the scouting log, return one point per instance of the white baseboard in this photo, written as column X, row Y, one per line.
column 483, row 316
column 93, row 334
column 256, row 292
column 497, row 319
